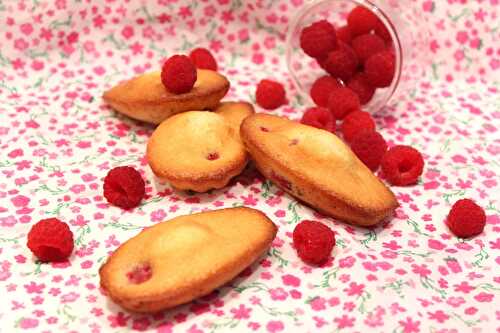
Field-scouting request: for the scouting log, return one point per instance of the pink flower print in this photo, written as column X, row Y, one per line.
column 320, row 322
column 32, row 287
column 77, row 188
column 410, row 326
column 79, row 221
column 470, row 311
column 421, row 270
column 318, row 303
column 373, row 320
column 20, row 44
column 20, row 200
column 355, row 289
column 141, row 324
column 275, row 326
column 344, row 321
column 428, row 6
column 253, row 326
column 127, row 32
column 278, row 294
column 453, row 265
column 459, row 55
column 484, row 297
column 280, row 213
column 290, row 280
column 120, row 320
column 438, row 316
column 243, row 35
column 334, row 301
column 158, row 215
column 455, row 301
column 462, row 37
column 16, row 153
column 347, row 262
column 249, row 200
column 349, row 306
column 395, row 308
column 435, row 244
column 392, row 245
column 27, row 323
column 241, row 312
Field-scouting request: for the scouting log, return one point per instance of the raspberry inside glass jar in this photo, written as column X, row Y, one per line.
column 374, row 48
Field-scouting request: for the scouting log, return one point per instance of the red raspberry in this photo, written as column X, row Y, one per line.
column 341, row 63
column 319, row 118
column 360, row 85
column 466, row 219
column 318, row 39
column 369, row 147
column 361, row 20
column 124, row 187
column 178, row 74
column 321, row 89
column 270, row 94
column 380, row 68
column 367, row 45
column 343, row 101
column 355, row 123
column 50, row 240
column 382, row 32
column 344, row 34
column 313, row 241
column 203, row 59
column 402, row 165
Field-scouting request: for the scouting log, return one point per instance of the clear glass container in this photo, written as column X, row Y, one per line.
column 403, row 20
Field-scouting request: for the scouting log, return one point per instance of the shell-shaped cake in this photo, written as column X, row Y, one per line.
column 318, row 168
column 177, row 261
column 146, row 98
column 199, row 150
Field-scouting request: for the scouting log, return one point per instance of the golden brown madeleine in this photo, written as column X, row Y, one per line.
column 197, row 151
column 176, row 261
column 145, row 98
column 318, row 168
column 234, row 112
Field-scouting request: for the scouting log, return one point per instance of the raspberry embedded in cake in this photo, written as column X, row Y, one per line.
column 213, row 156
column 140, row 273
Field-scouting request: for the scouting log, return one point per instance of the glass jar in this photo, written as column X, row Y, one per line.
column 403, row 20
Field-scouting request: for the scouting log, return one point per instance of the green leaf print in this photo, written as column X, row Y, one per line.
column 274, row 252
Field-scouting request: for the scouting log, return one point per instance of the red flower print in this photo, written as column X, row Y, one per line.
column 410, row 326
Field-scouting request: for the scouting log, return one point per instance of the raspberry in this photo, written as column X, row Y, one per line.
column 178, row 74
column 382, row 32
column 402, row 165
column 313, row 241
column 361, row 20
column 270, row 94
column 321, row 89
column 124, row 187
column 344, row 34
column 367, row 45
column 50, row 240
column 343, row 101
column 360, row 85
column 318, row 39
column 319, row 118
column 341, row 63
column 466, row 219
column 380, row 68
column 355, row 123
column 369, row 147
column 203, row 59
